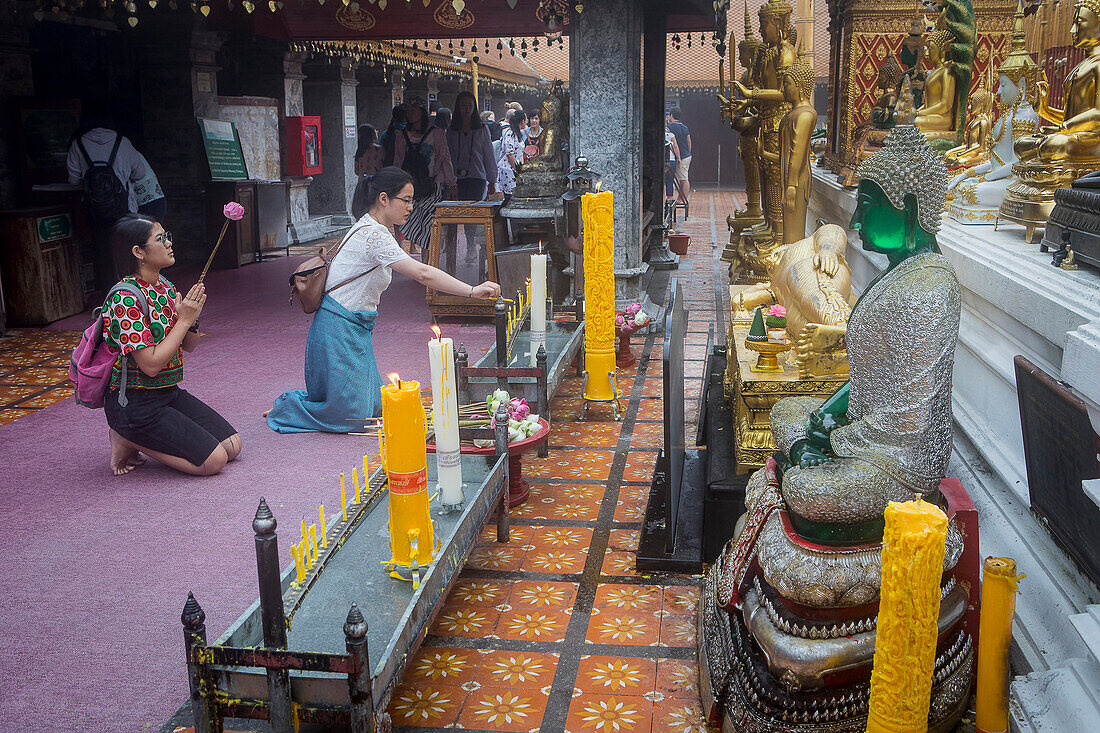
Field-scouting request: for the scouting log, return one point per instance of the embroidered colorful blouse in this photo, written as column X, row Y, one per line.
column 125, row 329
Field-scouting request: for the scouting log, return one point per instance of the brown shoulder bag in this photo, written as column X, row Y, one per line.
column 308, row 280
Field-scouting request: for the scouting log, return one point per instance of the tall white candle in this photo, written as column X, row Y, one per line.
column 538, row 303
column 445, row 417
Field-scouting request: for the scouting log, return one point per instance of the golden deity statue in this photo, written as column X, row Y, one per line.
column 975, row 194
column 950, row 49
column 868, row 137
column 979, row 121
column 768, row 96
column 1057, row 155
column 794, row 156
column 812, row 280
column 746, row 121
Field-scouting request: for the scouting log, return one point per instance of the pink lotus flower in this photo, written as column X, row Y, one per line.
column 233, row 211
column 632, row 309
column 777, row 311
column 620, row 321
column 518, row 409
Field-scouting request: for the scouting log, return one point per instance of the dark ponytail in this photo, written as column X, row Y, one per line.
column 128, row 231
column 390, row 180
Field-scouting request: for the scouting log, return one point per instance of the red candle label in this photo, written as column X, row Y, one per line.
column 408, row 483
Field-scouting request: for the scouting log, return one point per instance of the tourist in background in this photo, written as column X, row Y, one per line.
column 443, row 118
column 95, row 142
column 343, row 385
column 149, row 413
column 421, row 150
column 672, row 161
column 475, row 168
column 489, row 119
column 386, row 140
column 511, row 152
column 683, row 141
column 149, row 195
column 531, row 141
column 368, row 154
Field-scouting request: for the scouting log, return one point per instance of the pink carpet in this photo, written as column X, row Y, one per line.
column 96, row 568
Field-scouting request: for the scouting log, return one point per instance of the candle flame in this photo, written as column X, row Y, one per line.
column 436, row 331
column 599, row 184
column 540, row 246
column 395, row 379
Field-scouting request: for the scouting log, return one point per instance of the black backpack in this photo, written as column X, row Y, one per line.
column 104, row 195
column 418, row 165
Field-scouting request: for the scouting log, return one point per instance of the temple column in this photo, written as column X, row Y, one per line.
column 654, row 56
column 16, row 80
column 329, row 92
column 605, row 104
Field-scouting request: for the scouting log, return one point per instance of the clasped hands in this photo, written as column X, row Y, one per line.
column 815, row 449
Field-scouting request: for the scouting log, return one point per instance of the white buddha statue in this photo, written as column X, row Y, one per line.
column 975, row 194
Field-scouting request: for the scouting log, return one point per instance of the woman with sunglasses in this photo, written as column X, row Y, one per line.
column 343, row 384
column 153, row 415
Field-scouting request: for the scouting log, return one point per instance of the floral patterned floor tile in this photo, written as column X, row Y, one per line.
column 496, row 556
column 619, row 597
column 542, row 595
column 561, row 560
column 681, row 598
column 625, row 540
column 465, row 621
column 601, row 713
column 503, row 709
column 47, row 398
column 10, row 415
column 616, row 675
column 619, row 564
column 521, row 624
column 639, row 466
column 633, row 628
column 434, row 666
column 679, row 715
column 562, row 537
column 678, row 629
column 477, row 593
column 588, row 465
column 678, row 678
column 586, row 434
column 517, row 670
column 651, row 409
column 436, row 706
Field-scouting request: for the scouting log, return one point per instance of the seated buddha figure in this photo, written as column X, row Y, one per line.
column 1075, row 138
column 975, row 194
column 868, row 137
column 812, row 280
column 979, row 119
column 939, row 111
column 790, row 607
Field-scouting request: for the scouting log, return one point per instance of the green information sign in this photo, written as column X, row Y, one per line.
column 223, row 150
column 53, row 228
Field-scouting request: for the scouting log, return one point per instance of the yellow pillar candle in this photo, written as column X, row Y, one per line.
column 344, row 496
column 998, row 606
column 299, row 565
column 599, row 295
column 909, row 608
column 324, row 528
column 406, row 462
column 536, row 291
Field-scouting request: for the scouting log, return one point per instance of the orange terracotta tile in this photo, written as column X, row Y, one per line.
column 435, row 706
column 679, row 715
column 438, row 666
column 634, row 492
column 631, row 510
column 678, row 678
column 548, row 502
column 60, row 340
column 619, row 563
column 43, row 375
column 496, row 557
column 622, row 597
column 616, row 675
column 9, row 374
column 562, row 537
column 517, row 670
column 11, row 415
column 503, row 709
column 635, row 628
column 542, row 595
column 61, row 362
column 468, row 622
column 653, row 388
column 648, row 436
column 570, row 387
column 585, row 434
column 11, row 395
column 651, row 409
column 566, row 560
column 589, row 465
column 681, row 598
column 624, row 540
column 533, row 625
column 24, row 357
column 472, row 593
column 46, row 399
column 16, row 340
column 678, row 629
column 608, row 714
column 566, row 407
column 518, row 535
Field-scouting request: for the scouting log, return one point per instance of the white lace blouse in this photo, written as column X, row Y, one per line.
column 371, row 245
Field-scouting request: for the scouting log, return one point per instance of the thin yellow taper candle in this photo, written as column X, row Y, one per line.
column 324, row 528
column 355, row 480
column 299, row 566
column 599, row 295
column 999, row 581
column 366, row 473
column 406, row 462
column 305, row 537
column 909, row 608
column 313, row 542
column 344, row 496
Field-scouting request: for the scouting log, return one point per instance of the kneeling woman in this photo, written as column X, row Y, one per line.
column 343, row 385
column 153, row 415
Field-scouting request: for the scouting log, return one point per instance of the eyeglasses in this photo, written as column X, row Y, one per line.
column 164, row 238
column 408, row 201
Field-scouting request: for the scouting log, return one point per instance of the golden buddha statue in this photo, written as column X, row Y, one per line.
column 976, row 193
column 950, row 49
column 812, row 280
column 1057, row 155
column 794, row 156
column 551, row 113
column 746, row 121
column 979, row 120
column 868, row 137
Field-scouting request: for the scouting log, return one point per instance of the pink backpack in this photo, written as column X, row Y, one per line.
column 92, row 360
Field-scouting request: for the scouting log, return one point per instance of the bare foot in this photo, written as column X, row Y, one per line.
column 124, row 457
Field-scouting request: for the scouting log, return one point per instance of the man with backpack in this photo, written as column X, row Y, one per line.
column 105, row 163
